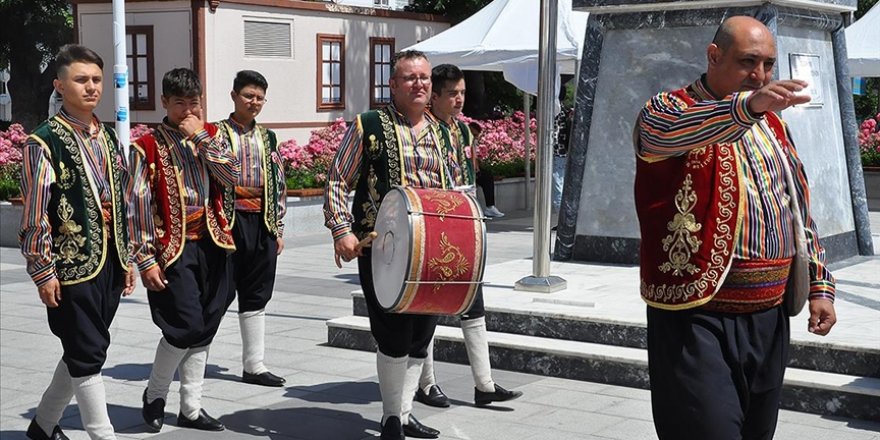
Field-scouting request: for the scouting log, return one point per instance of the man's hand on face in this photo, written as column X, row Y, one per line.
column 191, row 124
column 778, row 95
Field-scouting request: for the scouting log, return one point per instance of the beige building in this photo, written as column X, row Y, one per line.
column 322, row 60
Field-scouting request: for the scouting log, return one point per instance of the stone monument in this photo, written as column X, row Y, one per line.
column 636, row 48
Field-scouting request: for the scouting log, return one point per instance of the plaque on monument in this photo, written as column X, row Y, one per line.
column 806, row 67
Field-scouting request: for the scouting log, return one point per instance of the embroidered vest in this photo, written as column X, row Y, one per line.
column 169, row 212
column 689, row 209
column 465, row 141
column 79, row 231
column 382, row 168
column 273, row 170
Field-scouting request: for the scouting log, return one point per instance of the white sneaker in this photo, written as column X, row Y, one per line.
column 492, row 211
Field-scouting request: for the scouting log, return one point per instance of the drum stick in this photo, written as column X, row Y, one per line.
column 361, row 244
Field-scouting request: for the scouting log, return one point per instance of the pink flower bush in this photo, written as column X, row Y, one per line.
column 307, row 164
column 11, row 143
column 869, row 141
column 503, row 140
column 139, row 131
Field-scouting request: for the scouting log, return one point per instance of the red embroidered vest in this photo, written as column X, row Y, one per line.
column 169, row 212
column 690, row 211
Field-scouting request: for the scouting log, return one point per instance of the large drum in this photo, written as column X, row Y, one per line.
column 430, row 251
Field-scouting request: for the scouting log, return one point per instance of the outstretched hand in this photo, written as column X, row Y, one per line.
column 778, row 95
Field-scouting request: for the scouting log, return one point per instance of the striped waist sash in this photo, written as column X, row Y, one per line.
column 751, row 286
column 248, row 198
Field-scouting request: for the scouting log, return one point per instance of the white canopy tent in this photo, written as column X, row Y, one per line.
column 862, row 48
column 503, row 37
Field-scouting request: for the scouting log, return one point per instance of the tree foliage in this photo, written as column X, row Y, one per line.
column 31, row 31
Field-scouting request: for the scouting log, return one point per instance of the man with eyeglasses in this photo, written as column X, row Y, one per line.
column 371, row 163
column 257, row 219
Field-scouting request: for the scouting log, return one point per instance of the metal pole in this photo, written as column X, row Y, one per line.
column 527, row 110
column 120, row 76
column 541, row 281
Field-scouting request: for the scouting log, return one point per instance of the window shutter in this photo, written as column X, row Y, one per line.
column 265, row 39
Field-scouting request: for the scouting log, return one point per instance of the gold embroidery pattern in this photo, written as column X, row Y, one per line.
column 270, row 186
column 70, row 242
column 391, row 147
column 67, row 179
column 451, row 265
column 94, row 239
column 370, row 206
column 175, row 229
column 699, row 158
column 446, row 202
column 683, row 241
column 120, row 209
column 722, row 239
column 374, row 145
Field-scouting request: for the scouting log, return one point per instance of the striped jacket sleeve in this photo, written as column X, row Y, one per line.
column 668, row 126
column 218, row 155
column 341, row 178
column 35, row 235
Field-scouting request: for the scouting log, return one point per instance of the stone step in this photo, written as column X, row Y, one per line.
column 805, row 390
column 831, row 358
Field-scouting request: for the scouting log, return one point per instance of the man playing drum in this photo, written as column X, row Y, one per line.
column 396, row 145
column 447, row 100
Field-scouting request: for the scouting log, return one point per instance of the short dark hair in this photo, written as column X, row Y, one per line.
column 75, row 53
column 182, row 82
column 405, row 55
column 444, row 73
column 246, row 78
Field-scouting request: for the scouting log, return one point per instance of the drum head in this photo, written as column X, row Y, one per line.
column 391, row 249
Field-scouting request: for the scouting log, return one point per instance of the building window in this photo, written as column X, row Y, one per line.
column 268, row 39
column 331, row 72
column 381, row 52
column 139, row 55
column 383, row 3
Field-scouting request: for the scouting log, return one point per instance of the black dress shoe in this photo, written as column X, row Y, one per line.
column 482, row 398
column 266, row 379
column 153, row 413
column 34, row 432
column 392, row 430
column 434, row 397
column 204, row 422
column 417, row 430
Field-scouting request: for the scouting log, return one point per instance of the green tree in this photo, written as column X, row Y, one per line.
column 31, row 31
column 485, row 90
column 868, row 104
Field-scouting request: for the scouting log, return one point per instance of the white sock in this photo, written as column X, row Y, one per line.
column 476, row 341
column 427, row 380
column 56, row 397
column 92, row 401
column 192, row 376
column 164, row 365
column 391, row 372
column 253, row 336
column 410, row 384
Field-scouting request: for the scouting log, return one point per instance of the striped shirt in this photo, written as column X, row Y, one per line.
column 424, row 166
column 196, row 159
column 248, row 150
column 669, row 127
column 37, row 176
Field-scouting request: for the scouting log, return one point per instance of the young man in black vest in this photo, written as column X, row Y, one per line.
column 74, row 236
column 257, row 219
column 447, row 100
column 397, row 145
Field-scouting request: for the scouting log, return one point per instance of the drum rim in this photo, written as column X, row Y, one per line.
column 409, row 221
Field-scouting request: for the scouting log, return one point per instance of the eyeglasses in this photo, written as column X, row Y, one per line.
column 252, row 97
column 413, row 78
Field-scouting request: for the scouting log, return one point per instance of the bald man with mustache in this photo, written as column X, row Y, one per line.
column 723, row 206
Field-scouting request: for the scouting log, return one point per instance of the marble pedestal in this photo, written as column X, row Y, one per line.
column 635, row 49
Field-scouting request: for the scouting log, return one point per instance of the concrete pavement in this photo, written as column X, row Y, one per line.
column 332, row 394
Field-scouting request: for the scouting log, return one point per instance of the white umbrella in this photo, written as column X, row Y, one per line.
column 863, row 44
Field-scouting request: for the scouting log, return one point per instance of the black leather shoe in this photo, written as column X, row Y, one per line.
column 482, row 398
column 266, row 379
column 434, row 397
column 417, row 430
column 392, row 430
column 34, row 432
column 153, row 413
column 204, row 422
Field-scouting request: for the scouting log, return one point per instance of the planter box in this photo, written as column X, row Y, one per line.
column 10, row 221
column 872, row 187
column 510, row 194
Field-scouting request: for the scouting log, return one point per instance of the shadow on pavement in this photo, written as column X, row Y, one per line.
column 301, row 423
column 337, row 392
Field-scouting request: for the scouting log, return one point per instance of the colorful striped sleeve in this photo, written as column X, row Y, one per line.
column 341, row 178
column 281, row 185
column 35, row 235
column 221, row 161
column 140, row 222
column 669, row 127
column 822, row 283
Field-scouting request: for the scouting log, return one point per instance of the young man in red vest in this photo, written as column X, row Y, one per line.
column 74, row 237
column 183, row 174
column 723, row 206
